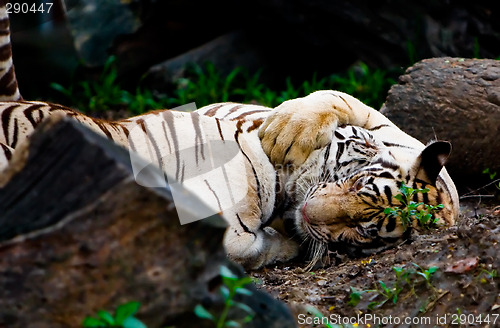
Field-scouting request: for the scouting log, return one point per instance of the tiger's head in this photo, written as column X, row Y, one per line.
column 360, row 177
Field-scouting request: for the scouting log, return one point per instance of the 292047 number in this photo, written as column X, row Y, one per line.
column 24, row 8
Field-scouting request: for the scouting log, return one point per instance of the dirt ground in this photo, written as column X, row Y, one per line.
column 464, row 290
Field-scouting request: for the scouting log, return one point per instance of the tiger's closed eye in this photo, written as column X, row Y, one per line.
column 357, row 185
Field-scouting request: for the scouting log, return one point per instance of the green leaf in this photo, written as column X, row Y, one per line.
column 225, row 272
column 93, row 322
column 384, row 287
column 132, row 322
column 243, row 291
column 232, row 323
column 354, row 297
column 244, row 281
column 202, row 313
column 432, row 270
column 244, row 307
column 126, row 310
column 106, row 317
column 426, row 277
column 224, row 291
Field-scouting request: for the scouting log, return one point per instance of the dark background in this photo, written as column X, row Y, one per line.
column 284, row 38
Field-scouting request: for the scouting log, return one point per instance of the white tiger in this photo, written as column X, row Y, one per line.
column 333, row 181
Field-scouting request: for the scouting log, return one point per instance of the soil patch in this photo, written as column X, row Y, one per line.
column 443, row 278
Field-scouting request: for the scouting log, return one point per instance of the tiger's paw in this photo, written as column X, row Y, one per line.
column 255, row 250
column 296, row 128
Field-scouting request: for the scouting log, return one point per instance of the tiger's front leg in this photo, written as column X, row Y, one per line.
column 299, row 126
column 258, row 247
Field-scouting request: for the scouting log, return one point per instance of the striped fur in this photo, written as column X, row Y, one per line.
column 8, row 82
column 325, row 161
column 360, row 168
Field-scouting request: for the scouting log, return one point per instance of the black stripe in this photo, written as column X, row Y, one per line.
column 325, row 158
column 182, row 172
column 212, row 111
column 5, row 52
column 390, row 144
column 242, row 116
column 198, row 138
column 391, row 224
column 169, row 117
column 385, row 175
column 373, row 198
column 166, row 137
column 232, row 110
column 388, row 194
column 415, row 195
column 16, row 132
column 257, row 181
column 6, row 150
column 340, row 150
column 151, row 136
column 386, row 164
column 28, row 113
column 339, row 136
column 217, row 121
column 125, row 130
column 378, row 127
column 245, row 228
column 425, row 197
column 371, row 216
column 6, row 114
column 102, row 126
column 215, row 195
column 355, row 132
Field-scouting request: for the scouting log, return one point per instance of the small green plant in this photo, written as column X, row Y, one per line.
column 368, row 85
column 408, row 211
column 486, row 276
column 231, row 286
column 355, row 296
column 492, row 175
column 406, row 279
column 388, row 293
column 206, row 85
column 124, row 318
column 426, row 273
column 105, row 93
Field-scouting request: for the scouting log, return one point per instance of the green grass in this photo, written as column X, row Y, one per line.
column 206, row 85
column 406, row 280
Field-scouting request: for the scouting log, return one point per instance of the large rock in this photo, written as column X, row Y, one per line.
column 95, row 24
column 227, row 52
column 452, row 99
column 78, row 234
column 326, row 35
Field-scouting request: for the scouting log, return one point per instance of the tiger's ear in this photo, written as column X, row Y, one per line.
column 431, row 160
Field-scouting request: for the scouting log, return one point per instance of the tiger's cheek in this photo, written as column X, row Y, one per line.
column 329, row 204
